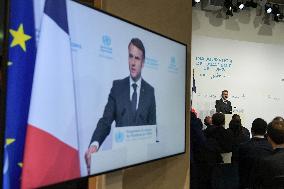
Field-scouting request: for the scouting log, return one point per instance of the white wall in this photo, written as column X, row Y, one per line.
column 252, row 72
column 254, row 51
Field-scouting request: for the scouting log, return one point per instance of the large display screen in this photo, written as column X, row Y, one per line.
column 106, row 92
column 104, row 58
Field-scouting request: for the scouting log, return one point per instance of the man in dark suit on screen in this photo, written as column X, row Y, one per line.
column 224, row 105
column 266, row 170
column 131, row 101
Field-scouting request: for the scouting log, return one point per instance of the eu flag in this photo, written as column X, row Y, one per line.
column 22, row 51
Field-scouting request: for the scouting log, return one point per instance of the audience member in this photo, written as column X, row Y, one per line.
column 239, row 135
column 208, row 121
column 205, row 152
column 202, row 160
column 238, row 131
column 245, row 131
column 265, row 170
column 218, row 137
column 278, row 118
column 197, row 138
column 249, row 152
column 236, row 117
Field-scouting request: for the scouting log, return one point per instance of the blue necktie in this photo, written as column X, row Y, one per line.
column 134, row 97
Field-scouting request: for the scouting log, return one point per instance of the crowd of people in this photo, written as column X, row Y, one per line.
column 258, row 159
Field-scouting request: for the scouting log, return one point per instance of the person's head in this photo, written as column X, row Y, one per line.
column 275, row 133
column 236, row 117
column 225, row 94
column 208, row 121
column 193, row 114
column 218, row 119
column 259, row 127
column 136, row 58
column 278, row 118
column 236, row 126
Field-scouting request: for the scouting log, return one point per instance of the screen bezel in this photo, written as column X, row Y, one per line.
column 82, row 178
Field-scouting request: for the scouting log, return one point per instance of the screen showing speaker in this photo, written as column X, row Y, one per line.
column 108, row 55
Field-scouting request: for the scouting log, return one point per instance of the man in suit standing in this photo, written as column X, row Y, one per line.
column 267, row 169
column 224, row 105
column 131, row 101
column 217, row 136
column 249, row 152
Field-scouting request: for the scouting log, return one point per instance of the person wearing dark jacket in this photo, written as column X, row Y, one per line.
column 224, row 105
column 239, row 136
column 217, row 136
column 266, row 170
column 249, row 152
column 197, row 151
column 131, row 101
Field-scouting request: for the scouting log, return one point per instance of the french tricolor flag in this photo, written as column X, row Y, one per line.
column 51, row 149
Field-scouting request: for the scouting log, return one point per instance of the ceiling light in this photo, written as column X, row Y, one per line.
column 275, row 10
column 229, row 12
column 277, row 18
column 268, row 8
column 240, row 5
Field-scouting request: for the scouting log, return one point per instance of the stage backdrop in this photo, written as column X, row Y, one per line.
column 251, row 72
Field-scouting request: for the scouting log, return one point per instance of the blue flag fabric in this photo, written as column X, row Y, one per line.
column 22, row 51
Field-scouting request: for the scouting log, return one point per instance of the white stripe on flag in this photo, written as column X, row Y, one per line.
column 53, row 102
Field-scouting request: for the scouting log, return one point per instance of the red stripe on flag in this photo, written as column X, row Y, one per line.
column 47, row 160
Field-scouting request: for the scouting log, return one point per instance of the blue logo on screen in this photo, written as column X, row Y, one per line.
column 106, row 40
column 105, row 48
column 173, row 68
column 119, row 137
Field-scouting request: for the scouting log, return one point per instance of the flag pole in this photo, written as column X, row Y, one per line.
column 193, row 88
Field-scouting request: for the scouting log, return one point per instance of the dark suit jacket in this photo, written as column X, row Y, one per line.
column 118, row 109
column 197, row 138
column 237, row 139
column 248, row 154
column 266, row 169
column 219, row 138
column 225, row 108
